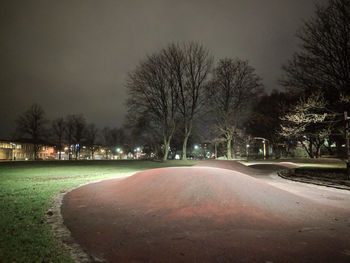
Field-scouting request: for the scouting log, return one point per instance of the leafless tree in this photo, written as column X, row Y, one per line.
column 265, row 119
column 90, row 135
column 233, row 87
column 189, row 65
column 75, row 129
column 152, row 92
column 32, row 123
column 69, row 131
column 79, row 132
column 113, row 138
column 142, row 130
column 58, row 129
column 323, row 59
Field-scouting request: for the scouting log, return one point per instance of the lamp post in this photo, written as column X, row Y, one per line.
column 264, row 145
column 216, row 150
column 247, row 150
column 347, row 138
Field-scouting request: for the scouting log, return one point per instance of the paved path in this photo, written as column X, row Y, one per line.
column 218, row 211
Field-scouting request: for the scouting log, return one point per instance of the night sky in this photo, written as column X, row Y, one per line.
column 73, row 56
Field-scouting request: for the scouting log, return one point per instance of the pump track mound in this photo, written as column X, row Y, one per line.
column 212, row 212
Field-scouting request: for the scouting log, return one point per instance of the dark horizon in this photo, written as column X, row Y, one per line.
column 73, row 57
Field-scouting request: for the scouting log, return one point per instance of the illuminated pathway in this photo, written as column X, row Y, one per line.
column 218, row 211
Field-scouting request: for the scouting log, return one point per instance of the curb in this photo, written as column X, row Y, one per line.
column 309, row 181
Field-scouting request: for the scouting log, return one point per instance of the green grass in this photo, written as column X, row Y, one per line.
column 26, row 192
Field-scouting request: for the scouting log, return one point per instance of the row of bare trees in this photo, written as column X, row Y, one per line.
column 172, row 87
column 73, row 130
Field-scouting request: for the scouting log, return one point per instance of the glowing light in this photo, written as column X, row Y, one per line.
column 196, row 147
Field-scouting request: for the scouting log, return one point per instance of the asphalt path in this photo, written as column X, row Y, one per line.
column 217, row 211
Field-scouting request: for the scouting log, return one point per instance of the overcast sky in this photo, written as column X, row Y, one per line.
column 73, row 56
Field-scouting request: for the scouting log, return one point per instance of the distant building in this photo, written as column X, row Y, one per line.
column 24, row 150
column 6, row 150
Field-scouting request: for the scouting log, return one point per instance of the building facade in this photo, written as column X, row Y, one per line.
column 23, row 151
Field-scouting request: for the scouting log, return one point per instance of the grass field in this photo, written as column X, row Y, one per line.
column 26, row 192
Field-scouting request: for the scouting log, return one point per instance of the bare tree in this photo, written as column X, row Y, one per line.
column 189, row 65
column 114, row 138
column 69, row 131
column 32, row 123
column 142, row 130
column 75, row 129
column 265, row 119
column 91, row 134
column 323, row 59
column 79, row 132
column 58, row 129
column 233, row 87
column 152, row 92
column 322, row 62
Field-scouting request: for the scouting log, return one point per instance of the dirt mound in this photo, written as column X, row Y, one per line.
column 196, row 214
column 226, row 164
column 258, row 169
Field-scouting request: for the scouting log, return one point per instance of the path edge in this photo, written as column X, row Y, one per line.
column 283, row 175
column 62, row 234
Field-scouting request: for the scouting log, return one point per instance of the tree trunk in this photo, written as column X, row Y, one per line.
column 228, row 145
column 35, row 151
column 59, row 147
column 167, row 140
column 188, row 130
column 166, row 148
column 184, row 148
column 76, row 153
column 234, row 147
column 318, row 145
column 309, row 149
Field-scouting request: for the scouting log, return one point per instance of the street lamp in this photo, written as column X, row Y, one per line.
column 264, row 144
column 247, row 150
